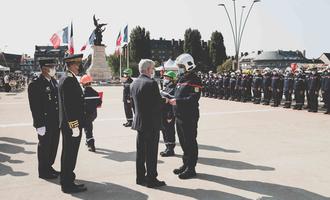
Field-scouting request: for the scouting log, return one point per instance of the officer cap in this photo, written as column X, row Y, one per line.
column 47, row 62
column 76, row 58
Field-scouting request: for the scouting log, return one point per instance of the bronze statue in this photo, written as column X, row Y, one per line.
column 98, row 32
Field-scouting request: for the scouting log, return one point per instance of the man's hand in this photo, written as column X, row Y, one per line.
column 172, row 102
column 41, row 131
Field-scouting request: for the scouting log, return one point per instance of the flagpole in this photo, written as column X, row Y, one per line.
column 120, row 62
column 127, row 52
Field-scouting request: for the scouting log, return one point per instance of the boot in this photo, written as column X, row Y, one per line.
column 128, row 124
column 179, row 170
column 188, row 173
column 167, row 153
column 91, row 145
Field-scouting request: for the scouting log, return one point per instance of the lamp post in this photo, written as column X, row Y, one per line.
column 238, row 30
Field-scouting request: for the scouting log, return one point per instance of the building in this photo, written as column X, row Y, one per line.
column 272, row 59
column 49, row 52
column 162, row 50
column 27, row 64
column 325, row 57
column 12, row 61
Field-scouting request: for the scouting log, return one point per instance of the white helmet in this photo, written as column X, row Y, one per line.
column 267, row 69
column 288, row 70
column 187, row 60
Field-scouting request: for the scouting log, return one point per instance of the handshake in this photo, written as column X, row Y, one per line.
column 169, row 99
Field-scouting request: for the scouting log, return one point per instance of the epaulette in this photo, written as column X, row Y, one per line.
column 69, row 74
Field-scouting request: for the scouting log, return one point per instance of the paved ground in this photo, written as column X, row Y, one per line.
column 246, row 152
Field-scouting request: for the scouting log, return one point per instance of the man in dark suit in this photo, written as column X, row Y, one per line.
column 72, row 116
column 147, row 122
column 43, row 98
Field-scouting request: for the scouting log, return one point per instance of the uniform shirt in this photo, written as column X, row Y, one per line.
column 288, row 82
column 72, row 104
column 299, row 83
column 187, row 95
column 314, row 82
column 257, row 82
column 267, row 81
column 43, row 99
column 92, row 100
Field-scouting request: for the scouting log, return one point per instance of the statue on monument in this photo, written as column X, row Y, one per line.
column 98, row 32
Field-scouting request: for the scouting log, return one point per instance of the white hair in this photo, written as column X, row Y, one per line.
column 144, row 64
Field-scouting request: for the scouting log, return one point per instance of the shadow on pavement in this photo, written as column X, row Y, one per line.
column 230, row 164
column 274, row 191
column 105, row 190
column 16, row 141
column 119, row 156
column 11, row 149
column 202, row 194
column 210, row 148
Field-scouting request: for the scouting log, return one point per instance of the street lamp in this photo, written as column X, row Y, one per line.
column 239, row 29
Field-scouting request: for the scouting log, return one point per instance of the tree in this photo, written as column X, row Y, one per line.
column 226, row 66
column 192, row 44
column 113, row 62
column 139, row 44
column 217, row 49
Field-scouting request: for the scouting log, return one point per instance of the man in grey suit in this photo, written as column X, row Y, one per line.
column 147, row 122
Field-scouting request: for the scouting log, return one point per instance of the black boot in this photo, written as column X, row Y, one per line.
column 188, row 173
column 128, row 124
column 168, row 152
column 179, row 170
column 91, row 145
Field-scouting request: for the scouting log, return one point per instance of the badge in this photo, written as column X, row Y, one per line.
column 196, row 89
column 47, row 89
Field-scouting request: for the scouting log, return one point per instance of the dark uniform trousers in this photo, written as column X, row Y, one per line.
column 187, row 133
column 147, row 150
column 169, row 133
column 47, row 149
column 89, row 125
column 128, row 111
column 69, row 155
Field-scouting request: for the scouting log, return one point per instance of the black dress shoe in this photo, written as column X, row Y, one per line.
column 155, row 183
column 48, row 176
column 179, row 170
column 128, row 124
column 91, row 148
column 187, row 174
column 73, row 189
column 167, row 153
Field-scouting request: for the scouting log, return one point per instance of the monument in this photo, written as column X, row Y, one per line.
column 99, row 69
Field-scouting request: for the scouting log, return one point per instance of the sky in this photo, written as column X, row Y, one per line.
column 272, row 25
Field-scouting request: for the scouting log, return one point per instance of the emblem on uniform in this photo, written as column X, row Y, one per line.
column 196, row 89
column 47, row 89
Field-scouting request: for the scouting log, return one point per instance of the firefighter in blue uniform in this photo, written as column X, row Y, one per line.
column 232, row 85
column 288, row 87
column 266, row 85
column 220, row 86
column 299, row 89
column 277, row 87
column 244, row 87
column 43, row 99
column 128, row 107
column 326, row 87
column 168, row 118
column 257, row 86
column 226, row 86
column 186, row 109
column 72, row 121
column 238, row 88
column 313, row 90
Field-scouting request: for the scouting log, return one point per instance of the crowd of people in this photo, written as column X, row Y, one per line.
column 301, row 89
column 12, row 82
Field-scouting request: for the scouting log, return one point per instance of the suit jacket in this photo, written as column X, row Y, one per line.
column 72, row 104
column 147, row 103
column 43, row 99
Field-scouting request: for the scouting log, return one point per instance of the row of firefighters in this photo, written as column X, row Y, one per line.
column 270, row 85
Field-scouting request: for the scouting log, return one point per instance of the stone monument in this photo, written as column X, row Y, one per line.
column 99, row 69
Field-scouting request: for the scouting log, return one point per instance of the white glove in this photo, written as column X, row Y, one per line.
column 75, row 132
column 41, row 131
column 128, row 101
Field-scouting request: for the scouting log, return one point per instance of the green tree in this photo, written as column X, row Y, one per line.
column 192, row 44
column 226, row 66
column 217, row 50
column 139, row 44
column 113, row 62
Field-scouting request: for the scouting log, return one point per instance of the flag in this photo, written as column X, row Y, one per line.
column 118, row 43
column 125, row 39
column 55, row 40
column 65, row 35
column 90, row 41
column 71, row 48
